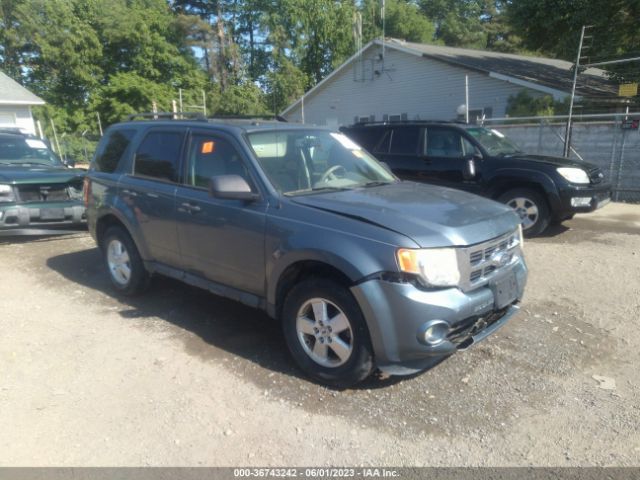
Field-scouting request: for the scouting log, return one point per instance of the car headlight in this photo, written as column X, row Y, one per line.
column 574, row 175
column 6, row 193
column 436, row 267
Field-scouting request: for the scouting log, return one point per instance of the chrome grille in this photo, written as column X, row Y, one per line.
column 481, row 262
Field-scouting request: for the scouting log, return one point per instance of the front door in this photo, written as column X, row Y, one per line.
column 446, row 157
column 221, row 240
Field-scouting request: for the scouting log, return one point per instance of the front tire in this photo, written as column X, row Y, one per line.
column 531, row 207
column 124, row 265
column 326, row 333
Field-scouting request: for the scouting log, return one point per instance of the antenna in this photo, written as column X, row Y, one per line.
column 383, row 29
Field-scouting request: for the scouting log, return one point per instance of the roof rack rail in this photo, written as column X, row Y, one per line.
column 167, row 116
column 400, row 122
column 276, row 118
column 199, row 116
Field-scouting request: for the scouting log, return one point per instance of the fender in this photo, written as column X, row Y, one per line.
column 125, row 214
column 354, row 261
column 506, row 176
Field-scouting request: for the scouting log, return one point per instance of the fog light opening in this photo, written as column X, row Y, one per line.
column 433, row 332
column 581, row 201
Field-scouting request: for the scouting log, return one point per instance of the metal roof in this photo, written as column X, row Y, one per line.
column 547, row 72
column 12, row 93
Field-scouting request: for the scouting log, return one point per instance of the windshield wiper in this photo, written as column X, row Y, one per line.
column 375, row 183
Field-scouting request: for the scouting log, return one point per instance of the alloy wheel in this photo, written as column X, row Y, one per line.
column 325, row 333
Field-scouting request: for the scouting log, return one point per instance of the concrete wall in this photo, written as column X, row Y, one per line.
column 615, row 150
column 17, row 116
column 419, row 87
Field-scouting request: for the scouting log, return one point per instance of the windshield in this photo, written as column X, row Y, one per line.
column 19, row 150
column 305, row 161
column 494, row 142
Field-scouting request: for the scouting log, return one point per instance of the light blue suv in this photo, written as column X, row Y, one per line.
column 363, row 270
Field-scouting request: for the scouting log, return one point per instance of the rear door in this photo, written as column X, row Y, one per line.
column 400, row 149
column 220, row 239
column 150, row 189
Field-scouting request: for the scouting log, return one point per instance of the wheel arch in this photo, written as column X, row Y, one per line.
column 299, row 269
column 510, row 179
column 111, row 219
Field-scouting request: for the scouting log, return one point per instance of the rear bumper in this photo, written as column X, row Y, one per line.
column 396, row 313
column 574, row 199
column 42, row 215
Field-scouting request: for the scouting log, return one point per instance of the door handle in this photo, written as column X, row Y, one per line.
column 190, row 207
column 130, row 193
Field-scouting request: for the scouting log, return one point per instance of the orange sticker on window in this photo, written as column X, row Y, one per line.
column 208, row 147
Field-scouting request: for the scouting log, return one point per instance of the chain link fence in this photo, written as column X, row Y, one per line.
column 611, row 141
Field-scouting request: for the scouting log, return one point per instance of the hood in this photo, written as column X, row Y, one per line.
column 554, row 161
column 39, row 174
column 431, row 216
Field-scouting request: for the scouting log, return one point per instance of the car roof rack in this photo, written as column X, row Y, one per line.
column 404, row 122
column 273, row 118
column 166, row 116
column 200, row 117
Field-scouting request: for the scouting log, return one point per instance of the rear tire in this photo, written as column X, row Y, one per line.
column 124, row 265
column 531, row 207
column 326, row 333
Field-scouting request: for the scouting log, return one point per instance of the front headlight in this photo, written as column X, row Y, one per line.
column 6, row 193
column 437, row 267
column 574, row 175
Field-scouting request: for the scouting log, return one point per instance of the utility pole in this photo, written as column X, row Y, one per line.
column 576, row 67
column 466, row 98
column 383, row 29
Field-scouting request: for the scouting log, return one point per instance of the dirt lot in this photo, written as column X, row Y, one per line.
column 181, row 377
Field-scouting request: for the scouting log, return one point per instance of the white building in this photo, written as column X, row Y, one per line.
column 15, row 105
column 408, row 81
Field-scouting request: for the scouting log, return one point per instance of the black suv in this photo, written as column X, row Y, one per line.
column 364, row 270
column 541, row 189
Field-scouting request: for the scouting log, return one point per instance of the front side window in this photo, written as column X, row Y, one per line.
column 447, row 143
column 21, row 150
column 159, row 155
column 113, row 147
column 211, row 156
column 306, row 161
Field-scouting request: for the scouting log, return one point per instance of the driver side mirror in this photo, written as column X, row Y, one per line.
column 231, row 187
column 470, row 166
column 69, row 162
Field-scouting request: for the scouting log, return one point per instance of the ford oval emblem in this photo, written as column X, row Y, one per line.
column 500, row 259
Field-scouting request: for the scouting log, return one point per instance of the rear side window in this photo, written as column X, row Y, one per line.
column 113, row 147
column 158, row 155
column 366, row 137
column 405, row 141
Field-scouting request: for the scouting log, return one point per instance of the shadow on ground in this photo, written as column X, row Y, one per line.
column 477, row 391
column 233, row 328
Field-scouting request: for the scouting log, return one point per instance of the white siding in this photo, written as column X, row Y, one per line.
column 17, row 116
column 420, row 87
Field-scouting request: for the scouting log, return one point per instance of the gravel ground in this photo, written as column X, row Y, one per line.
column 180, row 377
